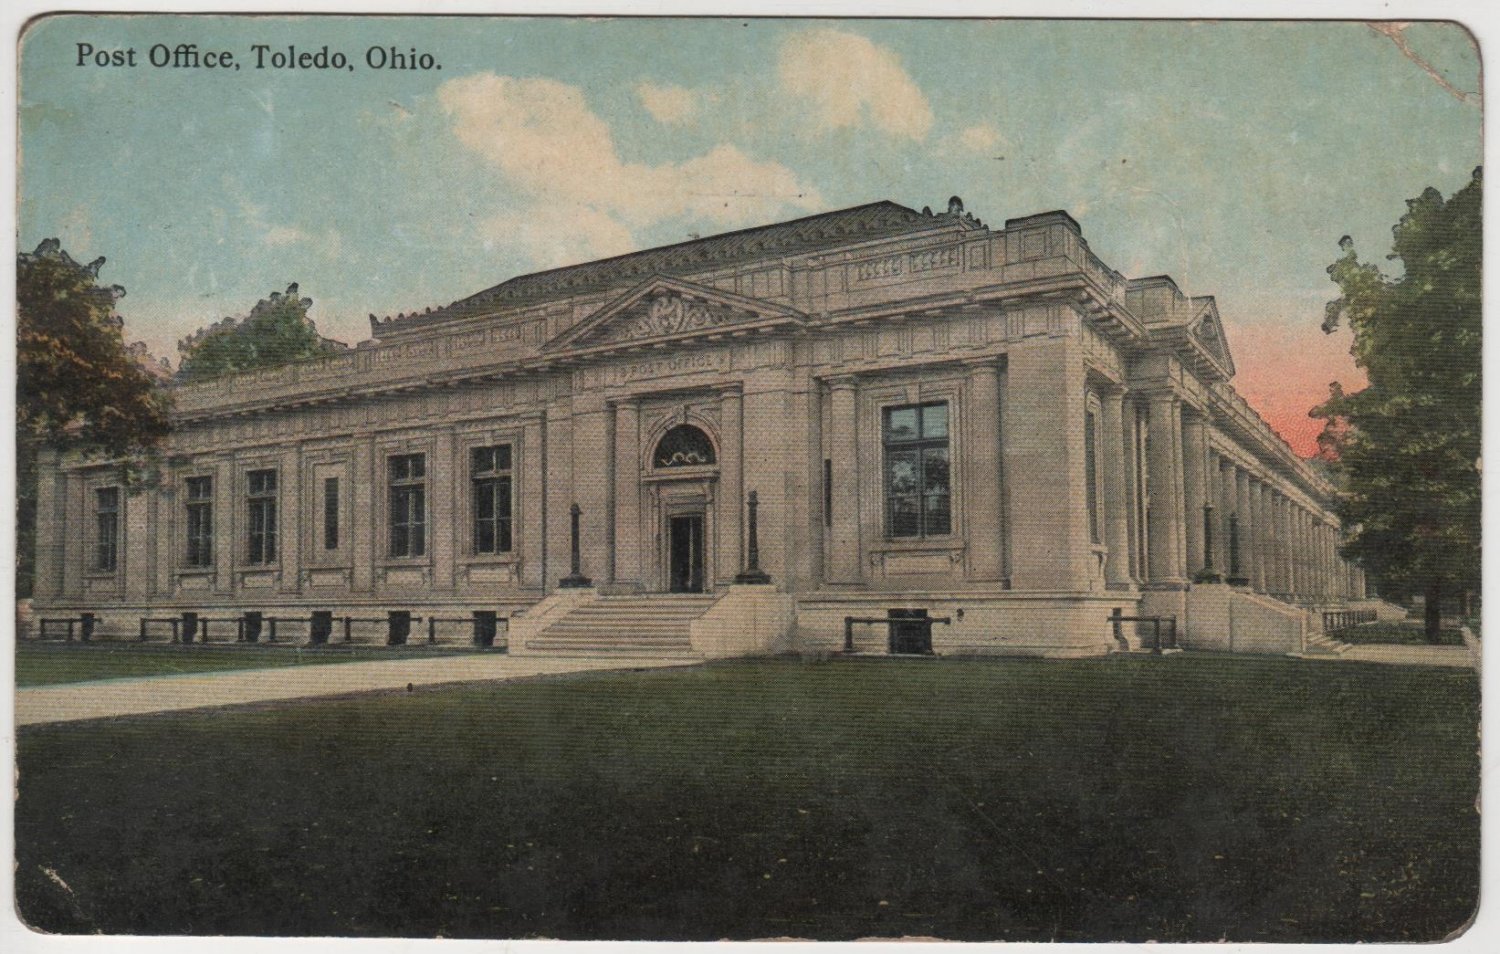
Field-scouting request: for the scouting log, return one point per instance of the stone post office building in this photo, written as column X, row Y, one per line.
column 988, row 425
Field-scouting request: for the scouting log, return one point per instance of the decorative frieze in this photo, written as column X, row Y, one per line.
column 935, row 259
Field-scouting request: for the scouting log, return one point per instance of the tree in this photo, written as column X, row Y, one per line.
column 78, row 386
column 1408, row 444
column 277, row 331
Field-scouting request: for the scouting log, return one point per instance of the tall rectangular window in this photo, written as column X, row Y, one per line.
column 200, row 521
column 1091, row 474
column 106, row 529
column 330, row 513
column 261, row 497
column 489, row 473
column 918, row 484
column 408, row 513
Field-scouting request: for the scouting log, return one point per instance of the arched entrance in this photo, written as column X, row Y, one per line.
column 684, row 466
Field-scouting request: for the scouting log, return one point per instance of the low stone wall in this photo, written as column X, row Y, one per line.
column 1012, row 624
column 749, row 620
column 531, row 621
column 122, row 623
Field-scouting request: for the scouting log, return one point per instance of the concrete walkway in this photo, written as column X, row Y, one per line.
column 128, row 697
column 1458, row 657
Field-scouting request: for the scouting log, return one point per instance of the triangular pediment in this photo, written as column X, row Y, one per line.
column 662, row 309
column 1208, row 334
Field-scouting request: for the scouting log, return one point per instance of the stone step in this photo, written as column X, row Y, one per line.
column 639, row 639
column 656, row 625
column 1321, row 645
column 640, row 612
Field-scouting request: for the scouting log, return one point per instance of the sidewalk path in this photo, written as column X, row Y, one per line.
column 126, row 697
column 1462, row 657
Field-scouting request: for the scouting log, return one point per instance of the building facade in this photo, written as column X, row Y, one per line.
column 989, row 425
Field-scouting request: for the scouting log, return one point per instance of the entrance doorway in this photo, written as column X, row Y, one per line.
column 686, row 553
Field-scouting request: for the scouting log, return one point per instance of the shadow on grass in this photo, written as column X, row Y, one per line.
column 1188, row 798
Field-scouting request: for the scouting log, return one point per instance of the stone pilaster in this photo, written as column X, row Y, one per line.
column 591, row 481
column 1262, row 538
column 135, row 541
column 1228, row 502
column 1246, row 525
column 626, row 569
column 449, row 532
column 1166, row 520
column 844, row 564
column 1195, row 487
column 1043, row 410
column 1117, row 565
column 730, row 508
column 291, row 503
column 771, row 458
column 532, row 501
column 1129, row 426
column 559, row 484
column 982, row 452
column 226, row 519
column 362, row 539
column 51, row 525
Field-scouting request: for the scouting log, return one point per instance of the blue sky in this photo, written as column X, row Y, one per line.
column 1230, row 155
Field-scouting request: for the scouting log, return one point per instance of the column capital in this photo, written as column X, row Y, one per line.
column 842, row 382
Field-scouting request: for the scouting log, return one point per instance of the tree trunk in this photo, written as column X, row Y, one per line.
column 1433, row 613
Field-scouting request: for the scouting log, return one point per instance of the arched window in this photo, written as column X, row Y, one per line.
column 683, row 446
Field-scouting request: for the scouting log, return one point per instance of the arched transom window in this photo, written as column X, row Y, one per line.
column 683, row 446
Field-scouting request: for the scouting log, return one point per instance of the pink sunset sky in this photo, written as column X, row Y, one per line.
column 1283, row 377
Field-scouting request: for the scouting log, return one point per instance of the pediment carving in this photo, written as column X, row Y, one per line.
column 664, row 314
column 670, row 308
column 1208, row 331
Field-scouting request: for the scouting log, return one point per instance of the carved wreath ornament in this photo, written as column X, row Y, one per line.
column 668, row 315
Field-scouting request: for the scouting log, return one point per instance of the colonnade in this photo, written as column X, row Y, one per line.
column 1183, row 503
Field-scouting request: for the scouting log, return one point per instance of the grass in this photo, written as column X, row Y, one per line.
column 43, row 664
column 1193, row 797
column 1399, row 634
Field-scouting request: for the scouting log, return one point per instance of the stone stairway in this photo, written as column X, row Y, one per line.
column 656, row 625
column 1321, row 644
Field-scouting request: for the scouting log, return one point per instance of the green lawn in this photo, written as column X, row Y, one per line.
column 1402, row 634
column 1192, row 797
column 42, row 664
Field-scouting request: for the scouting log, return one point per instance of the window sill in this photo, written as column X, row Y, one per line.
column 101, row 574
column 946, row 544
column 490, row 559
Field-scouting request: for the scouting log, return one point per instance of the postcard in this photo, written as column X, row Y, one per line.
column 708, row 478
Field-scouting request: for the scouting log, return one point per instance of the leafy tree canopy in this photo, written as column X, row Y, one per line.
column 77, row 383
column 1408, row 445
column 277, row 331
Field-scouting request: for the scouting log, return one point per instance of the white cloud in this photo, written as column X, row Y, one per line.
column 284, row 235
column 669, row 105
column 848, row 79
column 561, row 156
column 587, row 234
column 982, row 138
